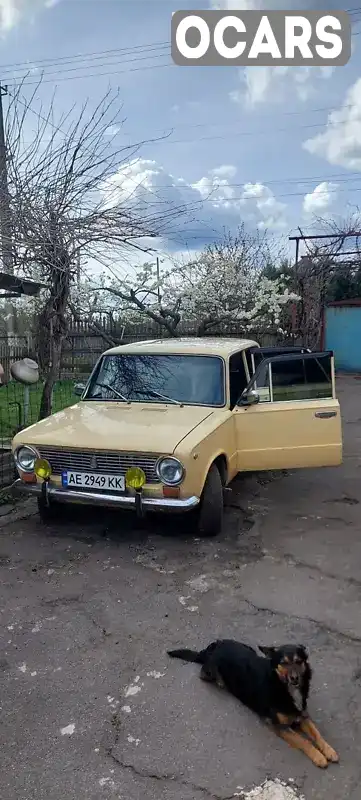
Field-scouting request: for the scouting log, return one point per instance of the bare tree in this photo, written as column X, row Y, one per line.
column 64, row 204
column 336, row 254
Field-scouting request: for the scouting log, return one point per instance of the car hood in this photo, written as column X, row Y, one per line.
column 101, row 425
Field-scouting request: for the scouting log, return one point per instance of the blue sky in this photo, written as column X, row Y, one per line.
column 244, row 144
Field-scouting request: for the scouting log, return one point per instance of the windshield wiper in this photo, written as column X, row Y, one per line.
column 111, row 389
column 153, row 393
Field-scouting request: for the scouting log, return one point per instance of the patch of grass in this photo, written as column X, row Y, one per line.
column 12, row 404
column 7, row 497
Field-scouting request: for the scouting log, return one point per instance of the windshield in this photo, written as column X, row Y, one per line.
column 176, row 379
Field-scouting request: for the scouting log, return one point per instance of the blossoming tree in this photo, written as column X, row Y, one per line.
column 226, row 284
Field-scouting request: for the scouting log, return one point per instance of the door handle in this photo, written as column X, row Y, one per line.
column 325, row 414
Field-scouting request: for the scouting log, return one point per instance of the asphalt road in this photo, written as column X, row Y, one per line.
column 91, row 706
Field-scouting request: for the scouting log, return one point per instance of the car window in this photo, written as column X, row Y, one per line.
column 257, row 354
column 302, row 379
column 287, row 379
column 238, row 379
column 138, row 378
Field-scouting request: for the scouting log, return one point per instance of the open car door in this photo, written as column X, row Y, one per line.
column 289, row 415
column 257, row 354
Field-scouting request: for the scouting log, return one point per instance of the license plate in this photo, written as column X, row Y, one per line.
column 92, row 480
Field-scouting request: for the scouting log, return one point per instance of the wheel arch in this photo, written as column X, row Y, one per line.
column 222, row 465
column 220, row 461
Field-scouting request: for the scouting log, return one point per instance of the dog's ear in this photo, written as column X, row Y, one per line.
column 267, row 651
column 304, row 651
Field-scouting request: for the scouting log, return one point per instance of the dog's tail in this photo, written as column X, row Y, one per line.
column 192, row 655
column 188, row 655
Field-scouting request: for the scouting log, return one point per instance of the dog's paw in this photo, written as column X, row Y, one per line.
column 320, row 760
column 331, row 754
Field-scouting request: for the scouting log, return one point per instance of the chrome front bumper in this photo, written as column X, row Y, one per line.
column 61, row 495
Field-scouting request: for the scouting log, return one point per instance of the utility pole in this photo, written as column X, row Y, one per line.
column 5, row 216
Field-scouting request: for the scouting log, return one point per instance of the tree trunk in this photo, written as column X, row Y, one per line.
column 53, row 374
column 52, row 322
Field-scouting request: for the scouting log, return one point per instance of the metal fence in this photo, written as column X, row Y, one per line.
column 19, row 407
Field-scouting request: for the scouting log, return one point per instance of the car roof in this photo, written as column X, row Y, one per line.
column 222, row 347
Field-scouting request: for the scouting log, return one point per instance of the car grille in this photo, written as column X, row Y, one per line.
column 108, row 462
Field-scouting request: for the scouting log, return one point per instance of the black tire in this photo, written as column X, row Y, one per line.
column 54, row 512
column 210, row 512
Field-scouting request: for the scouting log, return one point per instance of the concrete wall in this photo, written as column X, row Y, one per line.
column 343, row 336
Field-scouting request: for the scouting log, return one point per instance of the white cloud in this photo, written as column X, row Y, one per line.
column 272, row 84
column 112, row 130
column 213, row 203
column 275, row 84
column 321, row 198
column 271, row 211
column 340, row 143
column 12, row 11
column 224, row 171
column 9, row 14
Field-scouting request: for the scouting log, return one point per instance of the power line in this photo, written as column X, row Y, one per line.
column 243, row 196
column 95, row 54
column 169, row 130
column 26, row 82
column 252, row 132
column 153, row 190
column 97, row 74
column 98, row 54
column 235, row 133
column 299, row 194
column 137, row 184
column 210, row 124
column 188, row 232
column 261, row 132
column 104, row 64
column 264, row 182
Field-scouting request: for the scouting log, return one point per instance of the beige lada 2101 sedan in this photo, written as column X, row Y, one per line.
column 166, row 425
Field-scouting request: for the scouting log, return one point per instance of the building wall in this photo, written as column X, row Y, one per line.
column 343, row 336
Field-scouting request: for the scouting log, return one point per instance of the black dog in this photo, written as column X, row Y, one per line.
column 275, row 687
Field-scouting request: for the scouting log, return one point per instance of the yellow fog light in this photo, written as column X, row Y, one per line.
column 135, row 478
column 42, row 468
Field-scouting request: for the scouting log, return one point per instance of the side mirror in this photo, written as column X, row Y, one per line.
column 79, row 389
column 250, row 398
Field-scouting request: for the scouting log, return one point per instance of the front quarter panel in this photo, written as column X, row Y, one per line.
column 199, row 449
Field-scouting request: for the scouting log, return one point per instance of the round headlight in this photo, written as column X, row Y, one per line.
column 25, row 458
column 170, row 471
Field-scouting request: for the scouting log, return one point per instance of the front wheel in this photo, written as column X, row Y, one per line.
column 210, row 512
